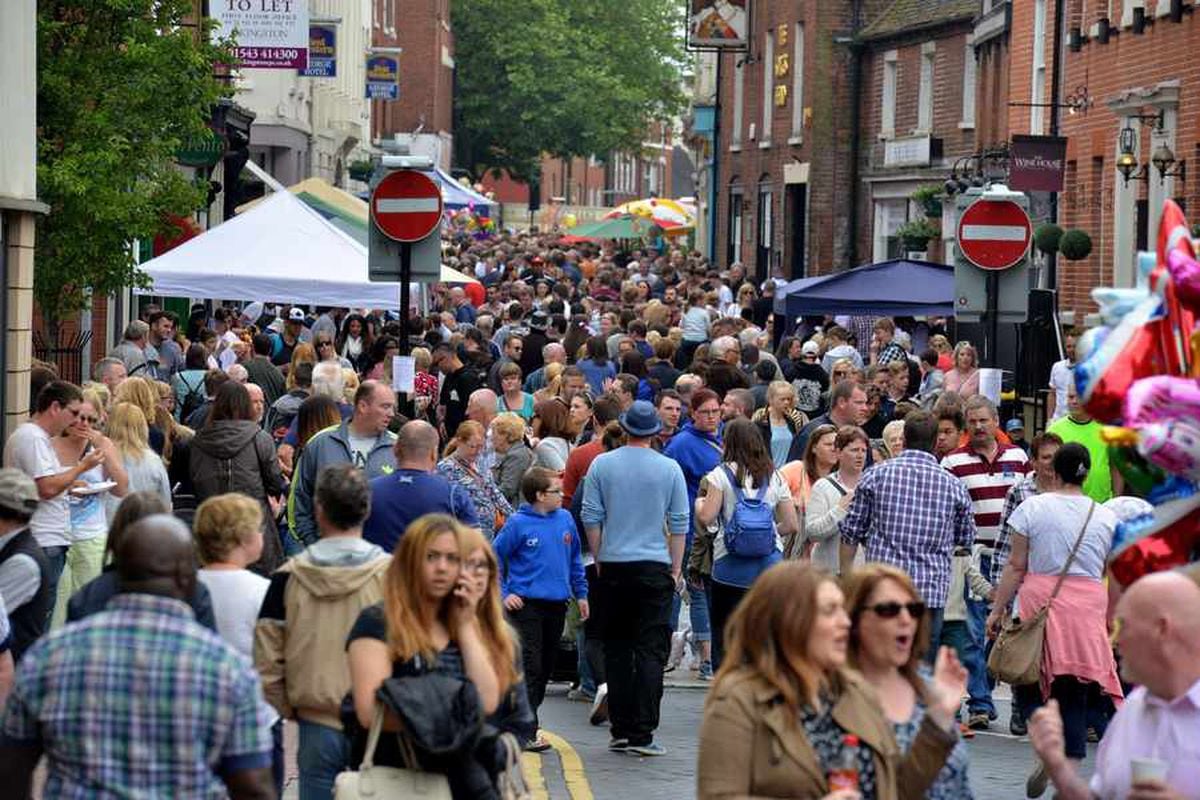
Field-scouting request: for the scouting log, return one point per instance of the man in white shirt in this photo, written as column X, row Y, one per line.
column 29, row 449
column 1159, row 723
column 1061, row 375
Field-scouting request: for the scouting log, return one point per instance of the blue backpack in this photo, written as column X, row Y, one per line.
column 750, row 531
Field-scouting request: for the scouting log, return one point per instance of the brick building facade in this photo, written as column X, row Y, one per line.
column 917, row 115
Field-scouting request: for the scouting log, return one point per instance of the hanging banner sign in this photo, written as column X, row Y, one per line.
column 718, row 24
column 1037, row 163
column 383, row 77
column 270, row 34
column 322, row 52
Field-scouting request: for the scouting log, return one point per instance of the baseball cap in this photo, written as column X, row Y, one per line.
column 296, row 315
column 810, row 349
column 18, row 492
column 1014, row 425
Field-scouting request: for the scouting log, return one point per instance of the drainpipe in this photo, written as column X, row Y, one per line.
column 856, row 56
column 1055, row 117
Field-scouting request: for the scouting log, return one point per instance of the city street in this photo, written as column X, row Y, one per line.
column 999, row 762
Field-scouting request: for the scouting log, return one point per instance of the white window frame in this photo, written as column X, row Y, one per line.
column 970, row 72
column 739, row 101
column 887, row 114
column 1037, row 88
column 925, row 89
column 768, row 88
column 798, row 85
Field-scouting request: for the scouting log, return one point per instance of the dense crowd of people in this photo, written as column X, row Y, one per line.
column 240, row 522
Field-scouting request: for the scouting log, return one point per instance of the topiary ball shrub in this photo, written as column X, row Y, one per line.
column 1075, row 245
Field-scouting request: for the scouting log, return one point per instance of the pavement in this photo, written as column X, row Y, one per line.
column 580, row 767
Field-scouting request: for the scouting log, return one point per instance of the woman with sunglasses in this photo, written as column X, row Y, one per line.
column 783, row 704
column 323, row 345
column 89, row 522
column 889, row 633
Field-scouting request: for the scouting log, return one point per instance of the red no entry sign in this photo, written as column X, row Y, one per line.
column 994, row 234
column 407, row 205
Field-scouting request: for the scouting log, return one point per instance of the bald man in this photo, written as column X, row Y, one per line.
column 414, row 489
column 147, row 653
column 1159, row 642
column 481, row 408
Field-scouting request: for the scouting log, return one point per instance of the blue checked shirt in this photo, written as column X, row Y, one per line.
column 138, row 701
column 911, row 513
column 1021, row 491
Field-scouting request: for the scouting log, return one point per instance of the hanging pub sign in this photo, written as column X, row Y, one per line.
column 383, row 77
column 322, row 52
column 269, row 34
column 718, row 24
column 1037, row 163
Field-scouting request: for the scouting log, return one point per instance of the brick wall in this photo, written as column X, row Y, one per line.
column 422, row 28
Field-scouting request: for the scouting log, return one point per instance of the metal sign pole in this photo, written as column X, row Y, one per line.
column 405, row 289
column 992, row 355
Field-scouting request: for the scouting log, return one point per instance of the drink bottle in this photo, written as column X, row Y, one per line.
column 844, row 773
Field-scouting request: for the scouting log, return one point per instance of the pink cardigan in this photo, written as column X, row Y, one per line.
column 1076, row 631
column 964, row 386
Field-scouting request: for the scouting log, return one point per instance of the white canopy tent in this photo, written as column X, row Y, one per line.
column 278, row 251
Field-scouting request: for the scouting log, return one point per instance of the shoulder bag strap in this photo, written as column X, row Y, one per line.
column 406, row 748
column 1062, row 576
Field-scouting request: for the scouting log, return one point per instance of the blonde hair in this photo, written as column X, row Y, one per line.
column 223, row 522
column 349, row 384
column 423, row 358
column 141, row 393
column 510, row 426
column 409, row 621
column 303, row 353
column 777, row 388
column 467, row 430
column 93, row 397
column 101, row 393
column 129, row 431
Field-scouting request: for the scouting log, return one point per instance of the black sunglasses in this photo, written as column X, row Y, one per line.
column 915, row 609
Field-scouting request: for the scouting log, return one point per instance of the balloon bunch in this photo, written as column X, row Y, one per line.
column 1138, row 373
column 466, row 219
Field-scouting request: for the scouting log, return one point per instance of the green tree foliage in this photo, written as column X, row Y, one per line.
column 562, row 77
column 121, row 84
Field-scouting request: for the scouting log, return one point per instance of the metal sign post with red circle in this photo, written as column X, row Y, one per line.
column 991, row 275
column 406, row 219
column 994, row 234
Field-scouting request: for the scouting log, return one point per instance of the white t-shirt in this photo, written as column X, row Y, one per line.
column 1051, row 521
column 361, row 447
column 1061, row 376
column 237, row 596
column 777, row 492
column 29, row 450
column 88, row 517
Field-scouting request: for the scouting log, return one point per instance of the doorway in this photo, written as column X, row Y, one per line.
column 797, row 217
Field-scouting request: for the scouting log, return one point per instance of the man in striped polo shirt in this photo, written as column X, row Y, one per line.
column 988, row 469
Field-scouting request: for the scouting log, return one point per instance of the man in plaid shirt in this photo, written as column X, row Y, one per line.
column 911, row 513
column 139, row 700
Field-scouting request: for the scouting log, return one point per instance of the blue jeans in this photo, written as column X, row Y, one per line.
column 935, row 634
column 587, row 683
column 697, row 611
column 56, row 558
column 322, row 754
column 977, row 614
column 957, row 634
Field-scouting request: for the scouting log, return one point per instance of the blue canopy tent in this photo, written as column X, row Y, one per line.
column 888, row 289
column 456, row 196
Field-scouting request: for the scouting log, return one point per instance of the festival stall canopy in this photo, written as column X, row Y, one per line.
column 671, row 216
column 456, row 196
column 890, row 288
column 626, row 226
column 279, row 250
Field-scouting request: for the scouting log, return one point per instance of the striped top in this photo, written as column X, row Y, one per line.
column 987, row 483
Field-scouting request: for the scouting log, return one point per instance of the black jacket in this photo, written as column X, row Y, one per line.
column 239, row 456
column 96, row 593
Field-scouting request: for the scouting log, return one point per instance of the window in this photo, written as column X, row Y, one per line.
column 798, row 84
column 739, row 89
column 1037, row 91
column 887, row 126
column 768, row 88
column 765, row 223
column 734, row 248
column 890, row 214
column 925, row 93
column 968, row 89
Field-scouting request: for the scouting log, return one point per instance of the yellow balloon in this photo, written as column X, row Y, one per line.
column 569, row 221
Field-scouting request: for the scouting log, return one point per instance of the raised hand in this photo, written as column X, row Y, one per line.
column 948, row 687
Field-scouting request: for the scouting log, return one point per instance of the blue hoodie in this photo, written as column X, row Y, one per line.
column 697, row 453
column 540, row 556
